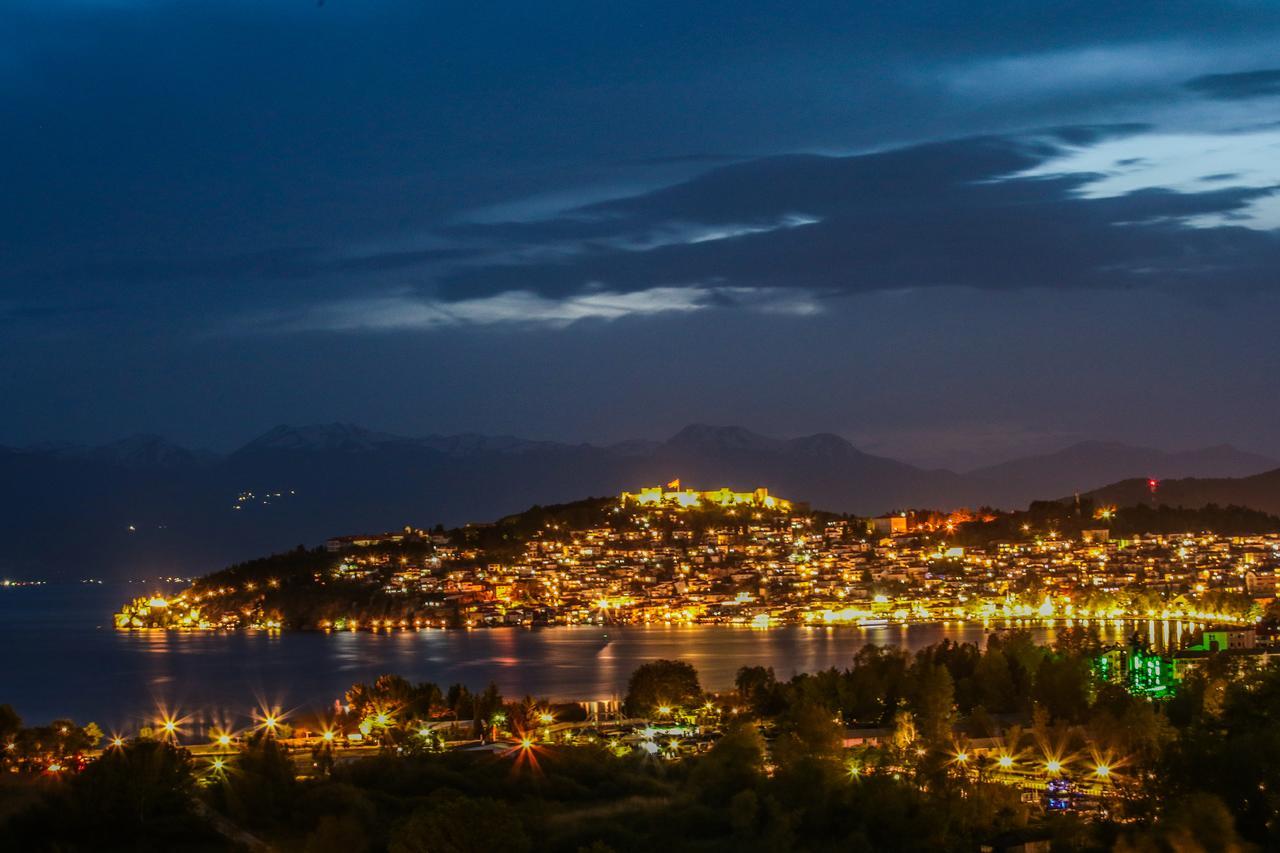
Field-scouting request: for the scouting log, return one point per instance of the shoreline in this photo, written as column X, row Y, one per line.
column 1190, row 620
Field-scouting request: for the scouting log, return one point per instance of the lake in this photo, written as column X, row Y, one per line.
column 62, row 658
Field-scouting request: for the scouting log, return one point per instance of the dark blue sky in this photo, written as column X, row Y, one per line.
column 950, row 231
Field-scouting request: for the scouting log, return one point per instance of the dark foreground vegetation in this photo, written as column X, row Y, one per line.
column 771, row 766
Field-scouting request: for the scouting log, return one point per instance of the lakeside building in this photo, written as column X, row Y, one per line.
column 1145, row 672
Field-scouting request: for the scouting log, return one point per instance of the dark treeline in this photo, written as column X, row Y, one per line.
column 1198, row 772
column 1068, row 518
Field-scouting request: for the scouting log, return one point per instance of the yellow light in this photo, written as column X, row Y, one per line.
column 526, row 742
column 1053, row 765
column 664, row 710
column 218, row 764
column 1006, row 761
column 224, row 740
column 170, row 726
column 962, row 757
column 117, row 741
column 545, row 718
column 1103, row 771
column 327, row 734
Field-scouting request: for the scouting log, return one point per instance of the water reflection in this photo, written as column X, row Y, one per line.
column 70, row 667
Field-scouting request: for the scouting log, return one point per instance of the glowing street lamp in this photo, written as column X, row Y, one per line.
column 1053, row 765
column 1005, row 762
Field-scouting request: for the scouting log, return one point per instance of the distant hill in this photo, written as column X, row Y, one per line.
column 143, row 506
column 1261, row 492
column 1083, row 466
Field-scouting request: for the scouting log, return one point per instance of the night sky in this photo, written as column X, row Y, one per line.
column 953, row 232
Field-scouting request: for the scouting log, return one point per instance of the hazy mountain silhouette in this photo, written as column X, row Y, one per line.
column 144, row 507
column 1083, row 466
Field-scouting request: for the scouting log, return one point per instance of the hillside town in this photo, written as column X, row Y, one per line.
column 668, row 555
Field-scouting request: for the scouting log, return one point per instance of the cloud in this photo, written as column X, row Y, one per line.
column 404, row 311
column 1192, row 164
column 1111, row 207
column 1242, row 84
column 1106, row 68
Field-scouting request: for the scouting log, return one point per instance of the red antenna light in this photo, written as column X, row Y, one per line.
column 1152, row 484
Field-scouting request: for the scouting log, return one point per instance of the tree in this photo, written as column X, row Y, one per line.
column 994, row 682
column 661, row 683
column 460, row 701
column 934, row 702
column 457, row 824
column 734, row 764
column 904, row 732
column 757, row 686
column 1063, row 686
column 10, row 723
column 137, row 783
column 810, row 733
column 338, row 834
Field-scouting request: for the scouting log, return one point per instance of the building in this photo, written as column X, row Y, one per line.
column 672, row 495
column 890, row 525
column 1222, row 639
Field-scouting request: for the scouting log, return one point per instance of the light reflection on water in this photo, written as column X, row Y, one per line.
column 61, row 658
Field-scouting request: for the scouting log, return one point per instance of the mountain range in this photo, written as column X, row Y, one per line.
column 143, row 506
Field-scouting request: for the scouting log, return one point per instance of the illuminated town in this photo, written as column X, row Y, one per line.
column 679, row 556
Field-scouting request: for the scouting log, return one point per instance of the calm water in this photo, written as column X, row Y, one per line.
column 59, row 656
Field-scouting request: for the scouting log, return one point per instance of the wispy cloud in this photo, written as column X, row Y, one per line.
column 1184, row 163
column 1095, row 67
column 1238, row 85
column 405, row 311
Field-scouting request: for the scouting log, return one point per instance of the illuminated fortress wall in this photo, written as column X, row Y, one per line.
column 673, row 495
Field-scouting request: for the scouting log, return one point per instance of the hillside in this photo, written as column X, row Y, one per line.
column 1261, row 492
column 1083, row 466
